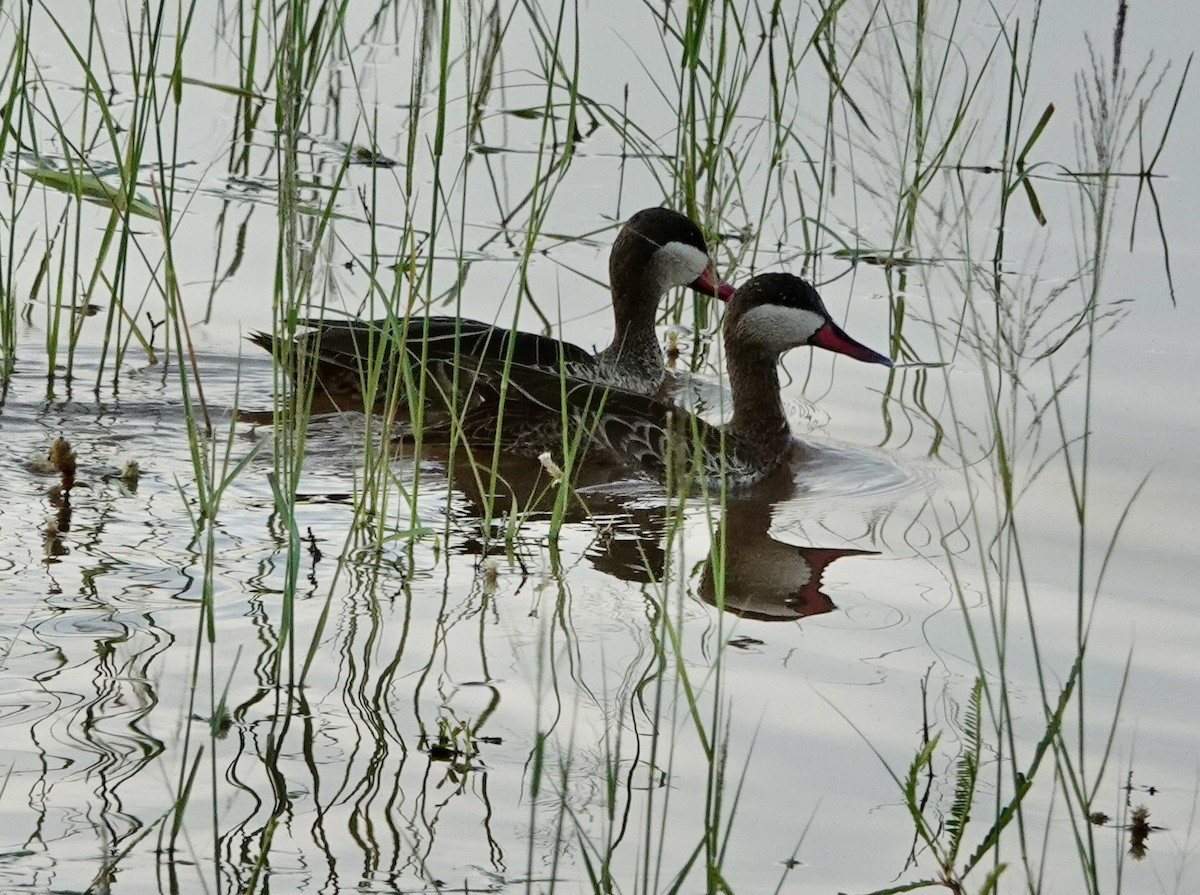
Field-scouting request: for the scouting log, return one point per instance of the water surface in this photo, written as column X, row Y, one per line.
column 470, row 701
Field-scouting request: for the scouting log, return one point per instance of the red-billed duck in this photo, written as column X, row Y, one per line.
column 523, row 410
column 656, row 250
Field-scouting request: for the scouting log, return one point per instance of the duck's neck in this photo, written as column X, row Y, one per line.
column 758, row 418
column 635, row 350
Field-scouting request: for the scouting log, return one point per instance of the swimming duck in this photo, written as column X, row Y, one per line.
column 768, row 315
column 656, row 250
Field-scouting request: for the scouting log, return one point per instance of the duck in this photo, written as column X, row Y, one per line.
column 768, row 316
column 522, row 411
column 656, row 250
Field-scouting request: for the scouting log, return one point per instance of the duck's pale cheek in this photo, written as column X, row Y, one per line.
column 678, row 264
column 777, row 327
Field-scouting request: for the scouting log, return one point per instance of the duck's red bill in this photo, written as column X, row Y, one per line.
column 832, row 338
column 710, row 284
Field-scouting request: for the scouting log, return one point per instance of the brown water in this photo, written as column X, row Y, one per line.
column 840, row 596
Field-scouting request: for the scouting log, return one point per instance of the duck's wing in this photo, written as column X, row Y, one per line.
column 342, row 355
column 528, row 411
column 350, row 343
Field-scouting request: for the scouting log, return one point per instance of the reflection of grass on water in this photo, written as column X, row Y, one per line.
column 715, row 169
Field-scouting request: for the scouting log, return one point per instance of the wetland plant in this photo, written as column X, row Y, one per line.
column 96, row 231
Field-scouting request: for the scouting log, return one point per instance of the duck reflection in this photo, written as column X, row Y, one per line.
column 747, row 571
column 760, row 577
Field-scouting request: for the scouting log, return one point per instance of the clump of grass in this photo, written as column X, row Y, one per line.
column 768, row 182
column 1062, row 770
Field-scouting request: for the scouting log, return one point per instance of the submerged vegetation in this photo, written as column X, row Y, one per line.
column 179, row 175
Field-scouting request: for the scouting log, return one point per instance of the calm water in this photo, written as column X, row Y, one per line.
column 474, row 711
